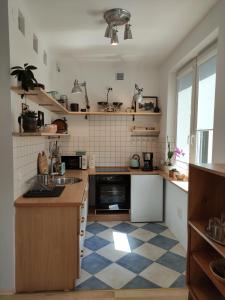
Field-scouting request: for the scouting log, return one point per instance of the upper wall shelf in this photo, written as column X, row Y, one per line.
column 42, row 98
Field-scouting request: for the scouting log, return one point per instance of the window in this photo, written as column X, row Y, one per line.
column 196, row 85
column 205, row 110
column 184, row 99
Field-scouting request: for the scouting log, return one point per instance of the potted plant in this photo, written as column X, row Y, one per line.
column 172, row 154
column 25, row 77
column 29, row 121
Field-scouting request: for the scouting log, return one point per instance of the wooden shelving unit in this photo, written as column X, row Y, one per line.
column 42, row 98
column 206, row 200
column 40, row 134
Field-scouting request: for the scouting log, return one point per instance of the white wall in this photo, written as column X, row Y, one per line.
column 25, row 149
column 6, row 154
column 21, row 51
column 176, row 203
column 101, row 75
column 212, row 26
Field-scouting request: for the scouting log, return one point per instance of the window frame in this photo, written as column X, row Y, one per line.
column 193, row 66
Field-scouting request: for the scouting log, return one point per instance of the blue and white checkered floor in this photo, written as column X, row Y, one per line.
column 131, row 255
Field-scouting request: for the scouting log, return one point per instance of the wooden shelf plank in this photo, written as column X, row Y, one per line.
column 203, row 259
column 39, row 134
column 199, row 226
column 205, row 292
column 40, row 97
column 120, row 113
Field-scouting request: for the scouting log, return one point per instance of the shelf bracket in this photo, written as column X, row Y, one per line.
column 133, row 119
column 86, row 117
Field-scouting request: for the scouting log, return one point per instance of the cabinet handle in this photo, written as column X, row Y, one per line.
column 82, row 206
column 82, row 219
column 82, row 233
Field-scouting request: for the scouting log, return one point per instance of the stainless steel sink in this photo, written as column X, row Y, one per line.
column 65, row 180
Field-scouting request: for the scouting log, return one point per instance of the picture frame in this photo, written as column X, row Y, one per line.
column 151, row 104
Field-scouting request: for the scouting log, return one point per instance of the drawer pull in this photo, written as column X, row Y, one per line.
column 82, row 233
column 82, row 219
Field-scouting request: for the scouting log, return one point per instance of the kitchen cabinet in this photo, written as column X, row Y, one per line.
column 146, row 198
column 49, row 242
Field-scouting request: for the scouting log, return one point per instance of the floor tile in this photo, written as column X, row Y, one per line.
column 140, row 283
column 139, row 224
column 94, row 243
column 169, row 234
column 96, row 228
column 160, row 275
column 125, row 227
column 88, row 234
column 154, row 227
column 94, row 263
column 107, row 234
column 115, row 276
column 93, row 283
column 149, row 251
column 180, row 282
column 84, row 275
column 142, row 234
column 134, row 262
column 111, row 253
column 173, row 261
column 163, row 242
column 110, row 224
column 134, row 243
column 87, row 251
column 179, row 249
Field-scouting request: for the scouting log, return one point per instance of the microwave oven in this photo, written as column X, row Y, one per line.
column 75, row 162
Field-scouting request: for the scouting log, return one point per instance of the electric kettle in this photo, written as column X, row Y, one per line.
column 135, row 161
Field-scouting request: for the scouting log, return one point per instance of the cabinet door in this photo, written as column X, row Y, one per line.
column 146, row 198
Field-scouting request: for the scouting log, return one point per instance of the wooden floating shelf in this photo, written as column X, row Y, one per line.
column 42, row 98
column 199, row 227
column 120, row 113
column 153, row 133
column 39, row 134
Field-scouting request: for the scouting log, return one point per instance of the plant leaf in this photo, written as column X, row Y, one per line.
column 31, row 67
column 16, row 67
column 26, row 64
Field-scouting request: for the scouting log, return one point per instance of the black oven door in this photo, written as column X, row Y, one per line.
column 112, row 190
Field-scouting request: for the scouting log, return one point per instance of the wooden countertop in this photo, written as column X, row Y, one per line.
column 73, row 194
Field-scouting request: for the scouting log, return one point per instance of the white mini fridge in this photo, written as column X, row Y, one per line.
column 146, row 198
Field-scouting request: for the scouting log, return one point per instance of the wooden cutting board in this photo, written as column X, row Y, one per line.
column 42, row 163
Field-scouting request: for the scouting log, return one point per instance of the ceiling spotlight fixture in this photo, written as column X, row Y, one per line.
column 114, row 39
column 117, row 17
column 127, row 32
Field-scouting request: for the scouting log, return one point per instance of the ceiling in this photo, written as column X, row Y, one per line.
column 75, row 28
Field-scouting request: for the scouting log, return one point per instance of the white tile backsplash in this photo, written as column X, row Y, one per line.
column 107, row 137
column 25, row 152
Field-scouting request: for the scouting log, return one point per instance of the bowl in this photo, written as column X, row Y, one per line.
column 217, row 267
column 50, row 128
